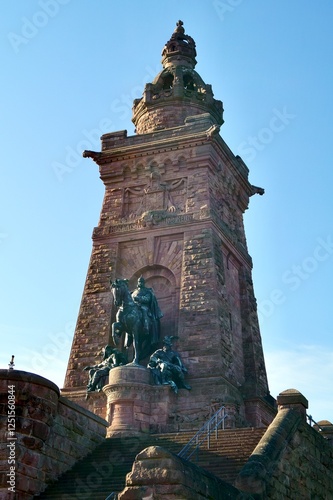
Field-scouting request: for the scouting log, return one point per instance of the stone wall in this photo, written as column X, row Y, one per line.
column 164, row 115
column 48, row 435
column 292, row 461
column 94, row 316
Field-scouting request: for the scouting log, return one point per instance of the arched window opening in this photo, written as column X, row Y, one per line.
column 168, row 82
column 188, row 82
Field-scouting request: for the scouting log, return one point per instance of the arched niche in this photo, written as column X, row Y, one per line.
column 127, row 173
column 181, row 160
column 163, row 283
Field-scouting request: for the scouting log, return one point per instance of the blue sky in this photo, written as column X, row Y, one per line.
column 71, row 69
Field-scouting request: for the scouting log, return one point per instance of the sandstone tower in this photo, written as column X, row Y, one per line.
column 173, row 209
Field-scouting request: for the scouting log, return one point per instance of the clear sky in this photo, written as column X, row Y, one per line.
column 70, row 71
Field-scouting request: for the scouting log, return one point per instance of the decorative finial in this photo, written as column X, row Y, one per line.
column 11, row 364
column 179, row 28
column 179, row 31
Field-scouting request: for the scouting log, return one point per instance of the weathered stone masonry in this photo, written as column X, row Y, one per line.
column 51, row 433
column 173, row 211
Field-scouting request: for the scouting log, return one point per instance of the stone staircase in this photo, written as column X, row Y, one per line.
column 105, row 469
column 226, row 455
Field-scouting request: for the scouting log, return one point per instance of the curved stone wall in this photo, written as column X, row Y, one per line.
column 42, row 433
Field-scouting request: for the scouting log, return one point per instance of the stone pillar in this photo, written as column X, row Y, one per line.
column 325, row 428
column 128, row 400
column 291, row 398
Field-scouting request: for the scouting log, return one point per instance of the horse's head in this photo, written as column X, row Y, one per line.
column 118, row 289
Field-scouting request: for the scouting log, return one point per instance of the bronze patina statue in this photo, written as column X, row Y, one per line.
column 151, row 313
column 167, row 367
column 98, row 373
column 137, row 316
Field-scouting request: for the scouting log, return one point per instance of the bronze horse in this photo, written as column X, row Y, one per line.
column 129, row 321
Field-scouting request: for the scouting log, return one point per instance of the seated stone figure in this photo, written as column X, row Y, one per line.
column 98, row 373
column 167, row 367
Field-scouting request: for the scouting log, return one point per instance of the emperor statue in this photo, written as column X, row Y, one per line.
column 145, row 298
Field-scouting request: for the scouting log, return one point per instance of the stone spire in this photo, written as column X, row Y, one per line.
column 178, row 91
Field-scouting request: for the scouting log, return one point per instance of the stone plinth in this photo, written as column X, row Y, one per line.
column 130, row 400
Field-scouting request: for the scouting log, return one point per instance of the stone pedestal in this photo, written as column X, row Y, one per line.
column 128, row 400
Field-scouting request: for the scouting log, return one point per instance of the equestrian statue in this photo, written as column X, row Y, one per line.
column 138, row 317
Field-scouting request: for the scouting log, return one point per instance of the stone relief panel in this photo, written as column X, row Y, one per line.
column 157, row 195
column 154, row 193
column 132, row 201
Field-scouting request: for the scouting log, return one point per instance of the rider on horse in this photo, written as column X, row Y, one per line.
column 151, row 313
column 137, row 316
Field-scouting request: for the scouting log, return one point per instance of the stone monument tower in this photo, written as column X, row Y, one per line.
column 172, row 213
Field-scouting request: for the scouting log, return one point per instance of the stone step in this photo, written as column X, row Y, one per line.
column 105, row 469
column 98, row 474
